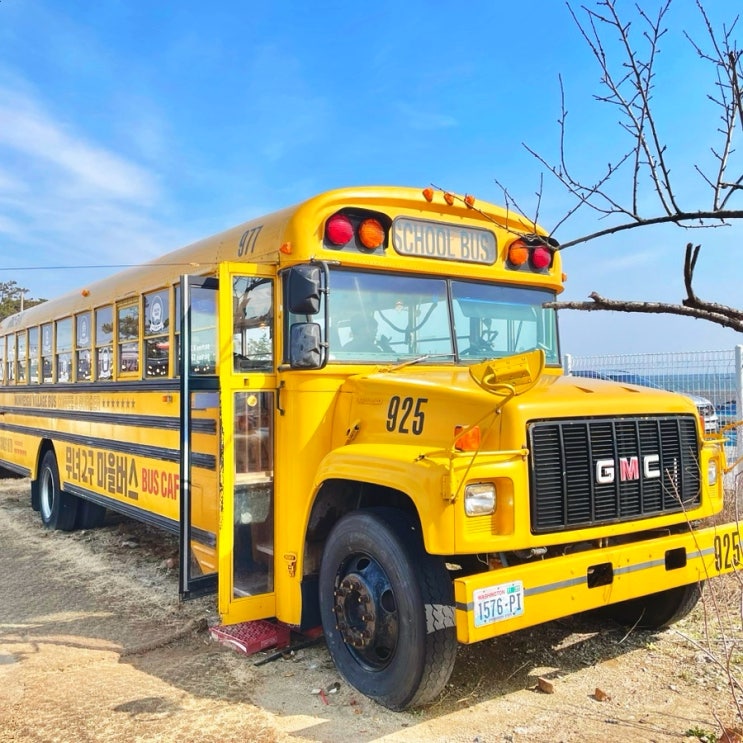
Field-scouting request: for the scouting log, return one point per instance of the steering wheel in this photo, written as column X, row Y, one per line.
column 383, row 344
column 479, row 347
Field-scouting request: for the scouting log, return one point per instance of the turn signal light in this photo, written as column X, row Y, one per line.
column 371, row 234
column 518, row 253
column 467, row 439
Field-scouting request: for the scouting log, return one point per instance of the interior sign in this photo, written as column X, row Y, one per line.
column 448, row 242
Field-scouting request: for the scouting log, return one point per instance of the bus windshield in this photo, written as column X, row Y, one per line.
column 390, row 317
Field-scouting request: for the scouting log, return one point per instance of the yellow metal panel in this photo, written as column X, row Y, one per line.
column 559, row 587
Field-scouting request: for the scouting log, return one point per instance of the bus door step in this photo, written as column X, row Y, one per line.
column 252, row 637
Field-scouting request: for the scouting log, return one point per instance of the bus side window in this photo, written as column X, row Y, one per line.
column 47, row 352
column 33, row 355
column 156, row 333
column 203, row 331
column 128, row 338
column 104, row 334
column 64, row 350
column 83, row 369
column 22, row 368
column 11, row 359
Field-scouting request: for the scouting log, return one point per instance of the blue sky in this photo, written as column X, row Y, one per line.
column 129, row 128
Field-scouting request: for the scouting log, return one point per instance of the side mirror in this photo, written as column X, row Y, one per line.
column 303, row 289
column 305, row 349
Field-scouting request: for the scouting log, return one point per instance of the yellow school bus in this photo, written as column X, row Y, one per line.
column 353, row 414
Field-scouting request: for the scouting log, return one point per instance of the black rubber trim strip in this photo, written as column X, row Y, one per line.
column 204, row 461
column 170, row 423
column 139, row 514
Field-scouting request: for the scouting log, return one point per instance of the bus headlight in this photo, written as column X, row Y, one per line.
column 479, row 499
column 712, row 472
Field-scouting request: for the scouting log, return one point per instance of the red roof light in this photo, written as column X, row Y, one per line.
column 541, row 257
column 338, row 229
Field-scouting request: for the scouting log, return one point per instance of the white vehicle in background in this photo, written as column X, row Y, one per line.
column 706, row 409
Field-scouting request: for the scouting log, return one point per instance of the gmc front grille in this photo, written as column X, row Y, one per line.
column 585, row 472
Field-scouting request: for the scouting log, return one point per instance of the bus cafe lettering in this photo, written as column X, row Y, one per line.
column 118, row 474
column 449, row 242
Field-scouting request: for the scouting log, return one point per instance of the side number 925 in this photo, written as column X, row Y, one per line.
column 727, row 551
column 406, row 415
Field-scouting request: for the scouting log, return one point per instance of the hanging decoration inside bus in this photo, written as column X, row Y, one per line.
column 448, row 242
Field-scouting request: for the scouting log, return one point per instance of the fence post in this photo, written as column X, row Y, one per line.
column 739, row 399
column 567, row 363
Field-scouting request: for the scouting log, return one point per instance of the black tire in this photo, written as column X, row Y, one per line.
column 89, row 515
column 58, row 509
column 658, row 610
column 387, row 609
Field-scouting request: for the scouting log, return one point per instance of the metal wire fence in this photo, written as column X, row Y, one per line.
column 714, row 375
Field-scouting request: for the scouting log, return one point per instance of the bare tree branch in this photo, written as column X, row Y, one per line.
column 621, row 305
column 691, row 306
column 627, row 86
column 679, row 219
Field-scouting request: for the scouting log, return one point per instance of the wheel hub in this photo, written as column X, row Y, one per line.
column 366, row 612
column 354, row 609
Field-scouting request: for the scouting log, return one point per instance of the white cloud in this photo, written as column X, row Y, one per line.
column 67, row 200
column 28, row 131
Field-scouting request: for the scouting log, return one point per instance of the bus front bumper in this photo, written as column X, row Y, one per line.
column 507, row 599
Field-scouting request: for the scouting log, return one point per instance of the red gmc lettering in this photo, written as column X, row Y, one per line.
column 629, row 468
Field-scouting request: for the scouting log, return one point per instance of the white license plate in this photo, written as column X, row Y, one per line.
column 496, row 603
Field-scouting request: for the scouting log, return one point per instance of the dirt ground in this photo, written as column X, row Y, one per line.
column 95, row 646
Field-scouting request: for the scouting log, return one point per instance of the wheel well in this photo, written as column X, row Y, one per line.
column 335, row 499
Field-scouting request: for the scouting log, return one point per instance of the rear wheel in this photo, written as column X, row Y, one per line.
column 657, row 610
column 387, row 609
column 58, row 509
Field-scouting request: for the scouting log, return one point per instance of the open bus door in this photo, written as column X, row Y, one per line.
column 247, row 380
column 199, row 413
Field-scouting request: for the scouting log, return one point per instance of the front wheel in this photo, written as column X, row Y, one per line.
column 58, row 509
column 387, row 609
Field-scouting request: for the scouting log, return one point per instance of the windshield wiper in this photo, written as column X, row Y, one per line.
column 418, row 359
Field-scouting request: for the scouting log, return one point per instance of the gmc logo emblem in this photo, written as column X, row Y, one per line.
column 629, row 469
